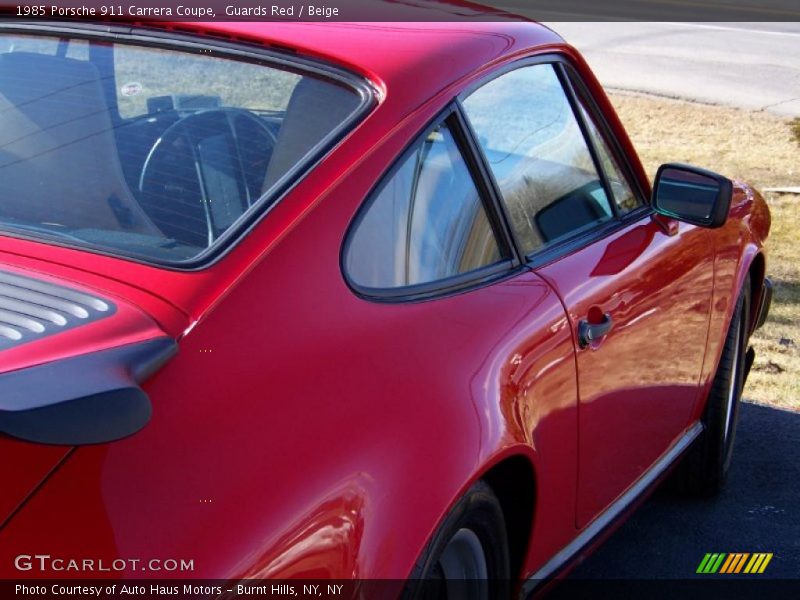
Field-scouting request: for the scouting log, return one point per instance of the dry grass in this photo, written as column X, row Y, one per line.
column 761, row 149
column 795, row 126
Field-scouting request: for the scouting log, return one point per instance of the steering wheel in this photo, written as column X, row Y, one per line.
column 185, row 144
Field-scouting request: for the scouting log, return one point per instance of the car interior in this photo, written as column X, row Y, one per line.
column 165, row 184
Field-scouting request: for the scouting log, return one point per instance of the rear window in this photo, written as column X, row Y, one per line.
column 152, row 153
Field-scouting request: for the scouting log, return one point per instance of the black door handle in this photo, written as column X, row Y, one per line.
column 588, row 332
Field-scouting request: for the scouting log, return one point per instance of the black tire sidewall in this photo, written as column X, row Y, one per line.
column 704, row 470
column 480, row 511
column 715, row 411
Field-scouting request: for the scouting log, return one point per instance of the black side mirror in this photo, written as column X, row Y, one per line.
column 692, row 194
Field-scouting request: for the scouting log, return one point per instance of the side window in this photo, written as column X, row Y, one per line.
column 426, row 223
column 538, row 155
column 620, row 188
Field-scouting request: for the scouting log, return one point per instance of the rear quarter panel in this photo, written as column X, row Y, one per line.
column 304, row 431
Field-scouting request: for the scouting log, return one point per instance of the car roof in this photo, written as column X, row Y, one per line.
column 411, row 59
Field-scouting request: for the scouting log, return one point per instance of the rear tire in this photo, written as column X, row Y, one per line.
column 703, row 471
column 468, row 557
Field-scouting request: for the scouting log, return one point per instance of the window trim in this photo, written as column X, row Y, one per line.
column 508, row 265
column 216, row 46
column 480, row 168
column 581, row 93
column 574, row 104
column 550, row 253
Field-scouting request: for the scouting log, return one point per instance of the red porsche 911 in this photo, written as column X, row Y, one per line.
column 348, row 301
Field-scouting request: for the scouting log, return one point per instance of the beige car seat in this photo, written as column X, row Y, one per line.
column 58, row 158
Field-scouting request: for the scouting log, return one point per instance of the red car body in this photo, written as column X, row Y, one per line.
column 303, row 431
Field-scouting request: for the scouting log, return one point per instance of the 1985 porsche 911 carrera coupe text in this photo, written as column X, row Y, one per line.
column 349, row 301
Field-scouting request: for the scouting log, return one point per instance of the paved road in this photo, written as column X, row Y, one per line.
column 759, row 511
column 748, row 65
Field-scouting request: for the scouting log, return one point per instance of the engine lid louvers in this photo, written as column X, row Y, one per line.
column 31, row 309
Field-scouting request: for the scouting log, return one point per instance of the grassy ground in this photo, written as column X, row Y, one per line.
column 761, row 149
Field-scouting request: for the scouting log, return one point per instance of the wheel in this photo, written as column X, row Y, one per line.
column 705, row 468
column 468, row 558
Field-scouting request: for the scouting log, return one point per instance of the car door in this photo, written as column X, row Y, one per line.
column 637, row 288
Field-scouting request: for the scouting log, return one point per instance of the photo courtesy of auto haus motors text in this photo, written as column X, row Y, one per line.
column 377, row 300
column 184, row 590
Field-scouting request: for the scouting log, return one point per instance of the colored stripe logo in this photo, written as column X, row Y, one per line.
column 733, row 563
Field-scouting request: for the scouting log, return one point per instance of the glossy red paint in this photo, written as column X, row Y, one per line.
column 639, row 383
column 303, row 431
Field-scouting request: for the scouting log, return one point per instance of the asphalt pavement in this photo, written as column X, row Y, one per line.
column 758, row 511
column 746, row 65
